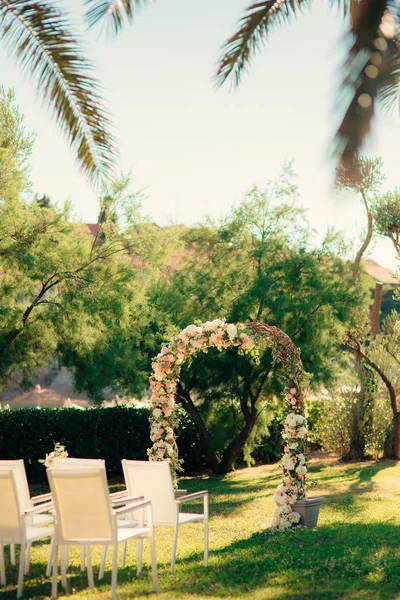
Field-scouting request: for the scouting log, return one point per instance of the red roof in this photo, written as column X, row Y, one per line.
column 381, row 273
column 92, row 228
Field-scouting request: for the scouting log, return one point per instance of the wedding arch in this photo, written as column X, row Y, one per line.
column 221, row 335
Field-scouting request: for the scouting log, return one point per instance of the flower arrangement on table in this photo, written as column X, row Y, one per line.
column 222, row 335
column 58, row 452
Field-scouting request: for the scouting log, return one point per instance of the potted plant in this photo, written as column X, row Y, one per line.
column 308, row 509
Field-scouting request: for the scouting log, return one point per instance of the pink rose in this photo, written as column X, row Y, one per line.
column 293, row 401
column 293, row 391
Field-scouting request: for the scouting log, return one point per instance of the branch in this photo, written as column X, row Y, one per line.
column 356, row 347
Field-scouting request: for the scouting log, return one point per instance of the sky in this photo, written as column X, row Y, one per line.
column 196, row 150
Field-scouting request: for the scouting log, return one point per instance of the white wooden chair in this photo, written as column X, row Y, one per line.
column 17, row 525
column 85, row 516
column 153, row 480
column 26, row 502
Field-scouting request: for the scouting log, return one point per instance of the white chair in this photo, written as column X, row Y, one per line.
column 16, row 523
column 26, row 502
column 85, row 516
column 153, row 480
column 71, row 462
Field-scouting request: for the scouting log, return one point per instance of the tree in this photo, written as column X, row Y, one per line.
column 371, row 68
column 114, row 346
column 383, row 356
column 15, row 147
column 57, row 285
column 387, row 217
column 255, row 266
column 362, row 176
column 40, row 37
column 52, row 281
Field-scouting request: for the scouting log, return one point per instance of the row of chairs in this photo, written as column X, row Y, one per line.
column 80, row 511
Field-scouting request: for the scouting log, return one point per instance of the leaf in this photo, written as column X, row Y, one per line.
column 367, row 70
column 115, row 12
column 254, row 27
column 39, row 37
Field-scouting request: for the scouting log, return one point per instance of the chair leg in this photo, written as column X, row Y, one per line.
column 139, row 556
column 21, row 570
column 89, row 567
column 28, row 557
column 2, row 566
column 103, row 561
column 153, row 564
column 174, row 548
column 114, row 573
column 64, row 564
column 124, row 555
column 206, row 534
column 12, row 555
column 55, row 572
column 50, row 561
column 82, row 558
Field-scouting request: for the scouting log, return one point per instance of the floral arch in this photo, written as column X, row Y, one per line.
column 222, row 335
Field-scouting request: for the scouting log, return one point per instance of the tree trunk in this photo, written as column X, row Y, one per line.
column 236, row 446
column 183, row 398
column 356, row 346
column 366, row 242
column 397, row 436
column 375, row 309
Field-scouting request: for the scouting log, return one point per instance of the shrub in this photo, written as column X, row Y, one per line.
column 331, row 421
column 109, row 433
column 380, row 428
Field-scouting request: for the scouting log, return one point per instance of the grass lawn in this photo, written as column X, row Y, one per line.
column 354, row 553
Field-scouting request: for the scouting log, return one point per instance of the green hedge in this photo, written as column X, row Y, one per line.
column 109, row 433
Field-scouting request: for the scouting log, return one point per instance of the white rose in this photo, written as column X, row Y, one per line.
column 301, row 470
column 290, row 422
column 231, row 330
column 157, row 412
column 279, row 499
column 288, row 463
column 211, row 325
column 300, row 419
column 296, row 517
column 190, row 330
column 302, row 432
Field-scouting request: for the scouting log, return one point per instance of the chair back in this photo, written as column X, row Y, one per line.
column 21, row 481
column 153, row 480
column 71, row 462
column 11, row 509
column 83, row 510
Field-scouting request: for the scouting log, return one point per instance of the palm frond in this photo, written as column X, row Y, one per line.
column 345, row 7
column 389, row 89
column 40, row 39
column 115, row 12
column 254, row 27
column 366, row 68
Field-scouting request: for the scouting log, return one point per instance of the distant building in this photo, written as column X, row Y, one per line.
column 381, row 274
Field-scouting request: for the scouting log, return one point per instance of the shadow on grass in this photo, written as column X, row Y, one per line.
column 362, row 482
column 337, row 562
column 348, row 561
